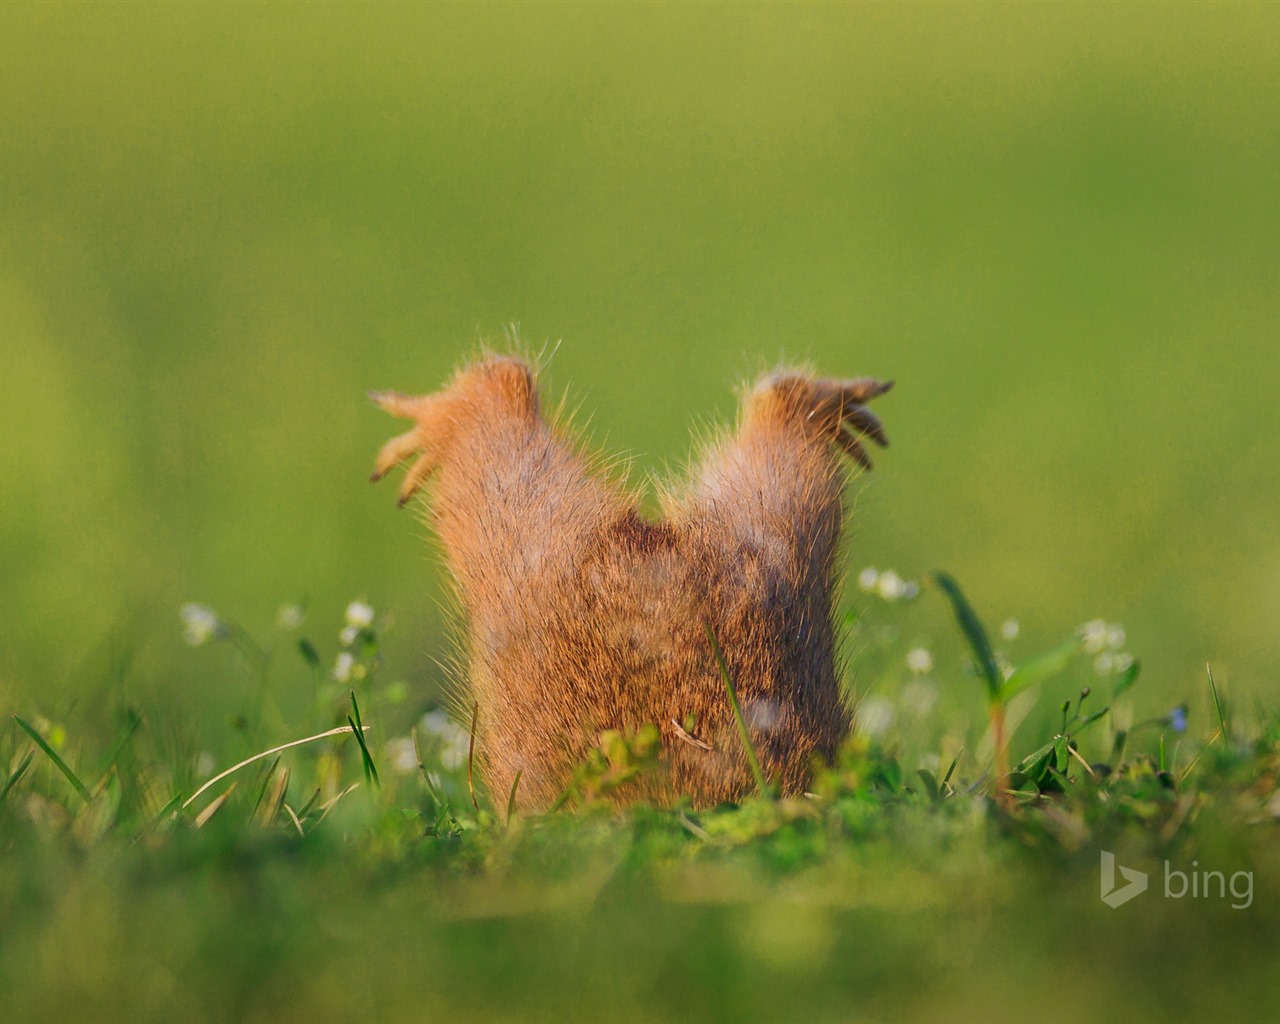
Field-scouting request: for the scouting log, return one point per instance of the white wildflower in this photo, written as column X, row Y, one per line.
column 920, row 695
column 200, row 624
column 890, row 585
column 867, row 578
column 359, row 615
column 290, row 617
column 1123, row 661
column 920, row 661
column 1010, row 628
column 1093, row 635
column 1104, row 664
column 454, row 741
column 344, row 667
column 910, row 590
column 400, row 755
column 875, row 715
column 349, row 635
column 454, row 751
column 1115, row 636
column 436, row 722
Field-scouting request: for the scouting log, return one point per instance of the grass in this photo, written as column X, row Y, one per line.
column 354, row 870
column 1052, row 225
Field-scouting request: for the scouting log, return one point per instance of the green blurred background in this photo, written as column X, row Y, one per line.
column 1056, row 226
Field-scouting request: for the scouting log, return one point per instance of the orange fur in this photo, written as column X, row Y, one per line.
column 583, row 616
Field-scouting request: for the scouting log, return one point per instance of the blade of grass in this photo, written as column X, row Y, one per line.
column 167, row 809
column 269, row 805
column 131, row 726
column 203, row 817
column 471, row 755
column 331, row 804
column 18, row 772
column 511, row 799
column 267, row 753
column 743, row 732
column 43, row 744
column 262, row 790
column 357, row 727
column 1042, row 667
column 294, row 818
column 974, row 632
column 436, row 795
column 1217, row 704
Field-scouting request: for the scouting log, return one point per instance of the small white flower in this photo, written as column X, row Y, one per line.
column 344, row 667
column 454, row 741
column 349, row 635
column 1010, row 628
column 436, row 722
column 867, row 578
column 875, row 715
column 1115, row 636
column 1005, row 666
column 359, row 615
column 890, row 585
column 910, row 590
column 454, row 752
column 1122, row 661
column 1104, row 664
column 920, row 661
column 401, row 755
column 200, row 624
column 920, row 695
column 290, row 617
column 1093, row 635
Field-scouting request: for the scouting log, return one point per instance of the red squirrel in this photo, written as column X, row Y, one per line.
column 581, row 615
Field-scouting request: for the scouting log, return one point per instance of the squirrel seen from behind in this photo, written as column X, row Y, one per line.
column 583, row 616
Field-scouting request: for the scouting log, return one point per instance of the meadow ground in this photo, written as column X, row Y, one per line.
column 145, row 877
column 1054, row 225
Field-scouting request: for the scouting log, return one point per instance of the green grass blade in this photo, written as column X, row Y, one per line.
column 18, row 772
column 743, row 733
column 131, row 726
column 1127, row 679
column 471, row 756
column 972, row 628
column 1217, row 705
column 63, row 767
column 370, row 770
column 511, row 800
column 1031, row 672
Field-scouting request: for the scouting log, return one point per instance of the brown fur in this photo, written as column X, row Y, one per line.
column 583, row 616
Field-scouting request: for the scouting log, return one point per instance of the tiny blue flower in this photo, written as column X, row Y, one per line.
column 1178, row 718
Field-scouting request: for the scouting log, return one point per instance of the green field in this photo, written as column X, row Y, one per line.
column 1055, row 225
